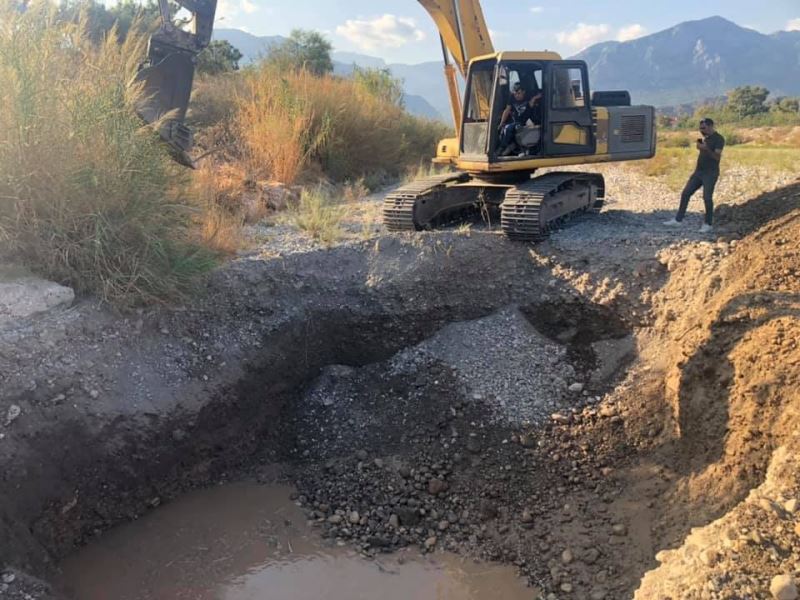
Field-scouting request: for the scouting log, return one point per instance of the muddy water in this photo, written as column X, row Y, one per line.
column 250, row 542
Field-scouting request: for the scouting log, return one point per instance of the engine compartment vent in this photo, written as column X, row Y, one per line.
column 633, row 127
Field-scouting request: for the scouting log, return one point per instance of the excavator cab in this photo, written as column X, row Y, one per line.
column 165, row 78
column 559, row 124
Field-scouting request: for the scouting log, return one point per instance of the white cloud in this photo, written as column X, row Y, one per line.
column 793, row 25
column 583, row 35
column 387, row 31
column 631, row 32
column 229, row 10
column 537, row 9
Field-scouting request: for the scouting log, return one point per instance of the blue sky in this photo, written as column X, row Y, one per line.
column 401, row 31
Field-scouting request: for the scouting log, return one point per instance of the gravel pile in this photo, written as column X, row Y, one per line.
column 502, row 361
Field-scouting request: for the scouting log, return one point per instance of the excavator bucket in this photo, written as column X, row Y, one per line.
column 164, row 80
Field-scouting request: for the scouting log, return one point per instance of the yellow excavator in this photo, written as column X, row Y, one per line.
column 568, row 126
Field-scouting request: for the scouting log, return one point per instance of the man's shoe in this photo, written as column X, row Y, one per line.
column 672, row 222
column 706, row 228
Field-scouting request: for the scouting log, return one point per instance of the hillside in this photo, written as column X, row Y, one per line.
column 696, row 60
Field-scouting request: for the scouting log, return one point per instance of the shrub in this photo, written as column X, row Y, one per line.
column 296, row 122
column 318, row 215
column 88, row 196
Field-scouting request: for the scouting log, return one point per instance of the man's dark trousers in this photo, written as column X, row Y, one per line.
column 698, row 180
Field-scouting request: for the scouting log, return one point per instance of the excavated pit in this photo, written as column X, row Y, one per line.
column 497, row 415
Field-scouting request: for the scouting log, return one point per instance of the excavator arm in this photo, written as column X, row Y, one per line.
column 464, row 36
column 165, row 78
column 462, row 27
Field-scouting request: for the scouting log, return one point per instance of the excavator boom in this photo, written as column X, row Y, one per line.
column 166, row 75
column 464, row 35
column 462, row 27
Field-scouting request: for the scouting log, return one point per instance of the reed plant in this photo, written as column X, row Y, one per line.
column 88, row 195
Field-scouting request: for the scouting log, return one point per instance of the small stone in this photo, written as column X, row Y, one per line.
column 354, row 518
column 408, row 517
column 591, row 555
column 443, row 525
column 430, row 542
column 361, row 455
column 13, row 414
column 474, row 445
column 791, row 506
column 335, row 519
column 404, row 472
column 378, row 463
column 597, row 595
column 394, row 521
column 576, row 387
column 526, row 517
column 619, row 529
column 9, row 578
column 436, row 487
column 94, row 394
column 559, row 418
column 178, row 435
column 566, row 556
column 527, row 441
column 709, row 557
column 608, row 410
column 783, row 587
column 566, row 588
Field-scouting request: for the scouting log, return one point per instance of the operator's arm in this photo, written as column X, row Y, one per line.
column 506, row 114
column 532, row 102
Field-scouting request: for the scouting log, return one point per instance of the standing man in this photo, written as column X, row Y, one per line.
column 705, row 175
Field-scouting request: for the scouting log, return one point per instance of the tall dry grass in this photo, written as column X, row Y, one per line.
column 295, row 123
column 88, row 196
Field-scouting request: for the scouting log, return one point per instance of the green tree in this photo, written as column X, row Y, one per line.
column 219, row 57
column 381, row 84
column 99, row 19
column 303, row 49
column 786, row 105
column 748, row 100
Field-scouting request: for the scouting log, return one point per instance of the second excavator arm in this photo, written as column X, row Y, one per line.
column 166, row 76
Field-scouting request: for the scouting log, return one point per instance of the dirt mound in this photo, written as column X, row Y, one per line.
column 728, row 338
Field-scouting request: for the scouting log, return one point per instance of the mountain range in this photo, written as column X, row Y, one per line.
column 684, row 64
column 696, row 60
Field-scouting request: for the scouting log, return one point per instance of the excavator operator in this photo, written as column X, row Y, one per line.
column 520, row 110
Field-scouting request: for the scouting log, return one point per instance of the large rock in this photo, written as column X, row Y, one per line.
column 23, row 295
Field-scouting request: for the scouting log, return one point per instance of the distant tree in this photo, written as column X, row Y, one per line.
column 748, row 100
column 786, row 105
column 665, row 121
column 99, row 20
column 381, row 84
column 303, row 49
column 219, row 57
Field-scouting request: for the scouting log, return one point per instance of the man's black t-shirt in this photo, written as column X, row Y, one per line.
column 706, row 165
column 520, row 111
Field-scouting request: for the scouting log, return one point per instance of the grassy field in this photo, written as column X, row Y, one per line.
column 674, row 164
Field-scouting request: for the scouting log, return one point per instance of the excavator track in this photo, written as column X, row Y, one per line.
column 402, row 208
column 533, row 209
